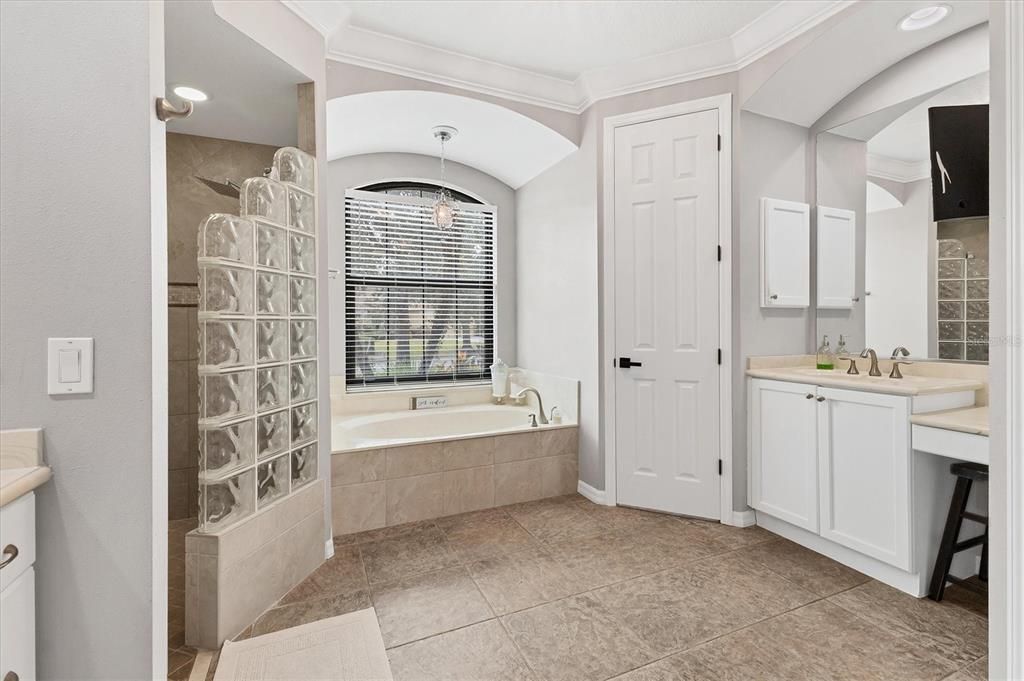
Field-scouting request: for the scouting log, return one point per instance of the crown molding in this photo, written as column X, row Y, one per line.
column 888, row 168
column 373, row 50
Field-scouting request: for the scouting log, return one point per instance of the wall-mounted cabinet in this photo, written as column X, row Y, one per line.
column 785, row 253
column 837, row 258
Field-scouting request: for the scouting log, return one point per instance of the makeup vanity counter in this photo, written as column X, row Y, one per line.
column 838, row 378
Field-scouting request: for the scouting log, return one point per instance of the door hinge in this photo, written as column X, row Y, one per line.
column 719, row 142
column 719, row 466
column 719, row 355
column 719, row 252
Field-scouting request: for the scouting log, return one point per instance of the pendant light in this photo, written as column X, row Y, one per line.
column 444, row 208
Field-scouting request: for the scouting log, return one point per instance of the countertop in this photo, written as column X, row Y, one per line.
column 17, row 482
column 973, row 420
column 838, row 378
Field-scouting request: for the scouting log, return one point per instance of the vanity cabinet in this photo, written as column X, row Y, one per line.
column 17, row 589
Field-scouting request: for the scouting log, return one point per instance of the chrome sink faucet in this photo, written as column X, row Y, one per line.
column 900, row 350
column 520, row 398
column 870, row 352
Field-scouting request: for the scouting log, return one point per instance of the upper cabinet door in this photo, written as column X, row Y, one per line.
column 837, row 257
column 785, row 253
column 959, row 146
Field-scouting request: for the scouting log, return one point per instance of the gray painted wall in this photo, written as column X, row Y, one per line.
column 356, row 171
column 76, row 251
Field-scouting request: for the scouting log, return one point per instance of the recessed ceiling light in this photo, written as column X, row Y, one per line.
column 924, row 17
column 190, row 93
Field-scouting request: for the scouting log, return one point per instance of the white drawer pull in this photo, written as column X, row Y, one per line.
column 10, row 553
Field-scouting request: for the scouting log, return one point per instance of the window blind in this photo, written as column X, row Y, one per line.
column 419, row 300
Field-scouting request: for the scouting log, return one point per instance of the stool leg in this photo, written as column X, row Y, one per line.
column 983, row 568
column 957, row 506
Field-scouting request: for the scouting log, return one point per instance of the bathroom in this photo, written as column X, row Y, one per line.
column 613, row 358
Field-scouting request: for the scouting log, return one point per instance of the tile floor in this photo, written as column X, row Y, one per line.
column 562, row 589
column 179, row 657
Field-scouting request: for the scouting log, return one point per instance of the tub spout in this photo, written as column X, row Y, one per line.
column 521, row 396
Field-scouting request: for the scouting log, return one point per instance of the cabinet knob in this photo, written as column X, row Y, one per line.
column 809, row 396
column 856, row 300
column 11, row 676
column 774, row 296
column 821, row 399
column 10, row 553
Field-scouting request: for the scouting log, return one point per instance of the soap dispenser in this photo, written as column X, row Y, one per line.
column 826, row 358
column 841, row 351
column 499, row 381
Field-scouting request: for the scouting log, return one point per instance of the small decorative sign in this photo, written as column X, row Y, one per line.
column 431, row 402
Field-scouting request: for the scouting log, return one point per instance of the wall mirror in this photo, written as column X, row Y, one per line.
column 901, row 226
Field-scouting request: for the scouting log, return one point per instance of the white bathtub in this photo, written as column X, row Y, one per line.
column 395, row 428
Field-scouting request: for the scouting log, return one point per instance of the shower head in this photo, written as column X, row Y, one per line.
column 226, row 188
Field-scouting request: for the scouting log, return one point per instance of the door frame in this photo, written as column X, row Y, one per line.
column 723, row 104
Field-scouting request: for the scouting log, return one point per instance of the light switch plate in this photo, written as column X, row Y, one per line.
column 69, row 365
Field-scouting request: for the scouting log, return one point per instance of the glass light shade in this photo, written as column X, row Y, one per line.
column 444, row 212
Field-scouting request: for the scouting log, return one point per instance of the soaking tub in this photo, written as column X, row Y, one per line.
column 402, row 466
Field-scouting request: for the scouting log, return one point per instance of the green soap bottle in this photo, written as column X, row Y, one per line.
column 826, row 358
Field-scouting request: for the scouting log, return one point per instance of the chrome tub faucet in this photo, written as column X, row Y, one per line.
column 520, row 398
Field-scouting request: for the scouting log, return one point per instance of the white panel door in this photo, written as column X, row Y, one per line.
column 785, row 253
column 783, row 434
column 864, row 472
column 666, row 314
column 837, row 257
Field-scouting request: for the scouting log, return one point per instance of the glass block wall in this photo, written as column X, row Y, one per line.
column 962, row 289
column 258, row 345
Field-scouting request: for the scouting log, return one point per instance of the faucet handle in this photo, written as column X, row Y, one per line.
column 896, row 373
column 853, row 371
column 533, row 421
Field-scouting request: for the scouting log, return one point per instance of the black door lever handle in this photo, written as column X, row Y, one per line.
column 626, row 362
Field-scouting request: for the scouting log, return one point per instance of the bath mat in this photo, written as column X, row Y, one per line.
column 344, row 648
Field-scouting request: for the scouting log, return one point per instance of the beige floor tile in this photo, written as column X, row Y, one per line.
column 813, row 571
column 422, row 550
column 733, row 537
column 976, row 671
column 523, row 580
column 342, row 573
column 966, row 598
column 381, row 533
column 428, row 604
column 482, row 652
column 947, row 631
column 179, row 662
column 308, row 611
column 485, row 534
column 556, row 519
column 576, row 639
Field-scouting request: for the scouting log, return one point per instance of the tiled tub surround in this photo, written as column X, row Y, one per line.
column 374, row 487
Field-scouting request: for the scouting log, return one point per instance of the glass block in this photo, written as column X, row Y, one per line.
column 977, row 267
column 303, row 339
column 225, row 342
column 271, row 388
column 951, row 248
column 951, row 290
column 227, row 290
column 271, row 433
column 302, row 254
column 303, row 423
column 223, row 449
column 296, row 166
column 226, row 236
column 271, row 480
column 951, row 309
column 977, row 352
column 265, row 198
column 951, row 350
column 271, row 243
column 271, row 340
column 977, row 309
column 977, row 332
column 224, row 503
column 304, row 465
column 303, row 381
column 271, row 293
column 301, row 210
column 302, row 295
column 951, row 331
column 977, row 289
column 951, row 269
column 226, row 396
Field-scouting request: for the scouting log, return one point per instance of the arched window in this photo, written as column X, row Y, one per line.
column 419, row 300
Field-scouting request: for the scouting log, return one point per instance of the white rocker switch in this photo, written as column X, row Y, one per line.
column 69, row 365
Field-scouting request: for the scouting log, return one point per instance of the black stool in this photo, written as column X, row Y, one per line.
column 966, row 474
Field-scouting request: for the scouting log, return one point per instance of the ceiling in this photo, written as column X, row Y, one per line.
column 563, row 55
column 252, row 92
column 493, row 139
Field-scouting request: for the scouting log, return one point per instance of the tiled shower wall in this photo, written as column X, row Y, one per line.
column 189, row 201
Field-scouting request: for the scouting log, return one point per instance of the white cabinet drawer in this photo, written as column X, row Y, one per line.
column 17, row 530
column 18, row 628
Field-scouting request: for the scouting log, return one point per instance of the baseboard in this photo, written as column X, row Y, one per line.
column 743, row 518
column 595, row 495
column 329, row 549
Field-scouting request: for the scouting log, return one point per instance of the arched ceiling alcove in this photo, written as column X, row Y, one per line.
column 500, row 142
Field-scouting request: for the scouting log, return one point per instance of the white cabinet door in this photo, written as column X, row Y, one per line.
column 864, row 473
column 785, row 253
column 837, row 257
column 18, row 628
column 783, row 475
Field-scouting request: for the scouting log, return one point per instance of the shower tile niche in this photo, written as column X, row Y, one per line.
column 258, row 427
